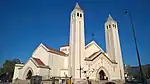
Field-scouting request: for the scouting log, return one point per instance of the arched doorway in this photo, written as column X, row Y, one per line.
column 29, row 75
column 102, row 75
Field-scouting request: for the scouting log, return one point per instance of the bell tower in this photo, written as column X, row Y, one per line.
column 77, row 42
column 113, row 48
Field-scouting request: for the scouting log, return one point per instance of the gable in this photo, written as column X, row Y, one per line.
column 52, row 50
column 49, row 49
column 41, row 53
column 35, row 63
column 38, row 63
column 91, row 48
column 95, row 55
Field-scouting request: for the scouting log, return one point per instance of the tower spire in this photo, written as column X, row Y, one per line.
column 113, row 48
column 77, row 43
column 110, row 18
column 77, row 6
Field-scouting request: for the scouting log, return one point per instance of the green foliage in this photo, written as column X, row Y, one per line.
column 1, row 70
column 135, row 71
column 149, row 71
column 145, row 70
column 9, row 66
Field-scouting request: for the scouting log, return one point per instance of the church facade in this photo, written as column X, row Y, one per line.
column 77, row 59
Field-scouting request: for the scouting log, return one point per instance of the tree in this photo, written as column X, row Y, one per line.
column 1, row 70
column 16, row 61
column 9, row 65
column 149, row 72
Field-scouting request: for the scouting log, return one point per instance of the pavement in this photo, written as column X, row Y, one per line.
column 148, row 82
column 6, row 83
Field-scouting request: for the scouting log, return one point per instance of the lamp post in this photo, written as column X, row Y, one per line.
column 136, row 46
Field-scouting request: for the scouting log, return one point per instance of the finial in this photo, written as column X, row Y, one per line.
column 93, row 36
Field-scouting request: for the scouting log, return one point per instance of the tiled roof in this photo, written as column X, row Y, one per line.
column 109, row 58
column 55, row 51
column 39, row 62
column 96, row 54
column 93, row 54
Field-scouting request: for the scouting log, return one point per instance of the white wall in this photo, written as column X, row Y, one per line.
column 77, row 42
column 63, row 72
column 17, row 70
column 44, row 72
column 65, row 49
column 113, row 45
column 56, row 62
column 92, row 48
column 102, row 63
column 21, row 74
column 42, row 54
column 29, row 65
column 66, row 62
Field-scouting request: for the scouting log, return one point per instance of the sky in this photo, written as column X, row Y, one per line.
column 24, row 24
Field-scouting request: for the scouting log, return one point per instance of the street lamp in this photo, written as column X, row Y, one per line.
column 136, row 46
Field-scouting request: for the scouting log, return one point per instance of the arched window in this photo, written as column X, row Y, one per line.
column 102, row 75
column 77, row 14
column 80, row 15
column 29, row 75
column 113, row 25
column 109, row 26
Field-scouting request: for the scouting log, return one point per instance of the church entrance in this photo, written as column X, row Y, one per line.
column 29, row 75
column 102, row 75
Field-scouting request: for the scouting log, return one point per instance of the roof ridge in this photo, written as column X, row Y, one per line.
column 53, row 50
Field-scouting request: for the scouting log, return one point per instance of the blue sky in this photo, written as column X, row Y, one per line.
column 24, row 24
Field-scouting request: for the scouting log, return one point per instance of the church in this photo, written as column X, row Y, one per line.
column 76, row 59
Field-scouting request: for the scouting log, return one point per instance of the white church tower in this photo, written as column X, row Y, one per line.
column 77, row 43
column 113, row 48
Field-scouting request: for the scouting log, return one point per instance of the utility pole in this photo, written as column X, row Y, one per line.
column 136, row 46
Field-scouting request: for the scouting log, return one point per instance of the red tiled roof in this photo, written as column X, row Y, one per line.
column 39, row 62
column 55, row 51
